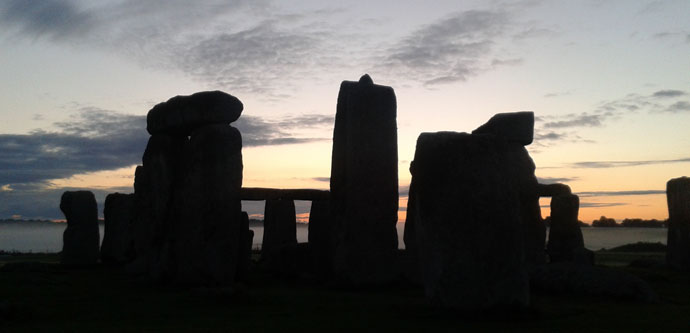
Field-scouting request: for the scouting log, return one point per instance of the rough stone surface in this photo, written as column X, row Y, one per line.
column 117, row 247
column 515, row 126
column 81, row 237
column 552, row 190
column 321, row 238
column 364, row 183
column 678, row 197
column 575, row 279
column 205, row 238
column 280, row 228
column 468, row 221
column 180, row 115
column 565, row 236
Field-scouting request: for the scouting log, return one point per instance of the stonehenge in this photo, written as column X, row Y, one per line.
column 117, row 216
column 364, row 183
column 81, row 237
column 471, row 197
column 565, row 237
column 678, row 198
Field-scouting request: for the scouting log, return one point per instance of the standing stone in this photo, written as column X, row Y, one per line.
column 205, row 238
column 678, row 197
column 320, row 238
column 117, row 241
column 245, row 244
column 565, row 236
column 468, row 222
column 364, row 183
column 81, row 237
column 280, row 227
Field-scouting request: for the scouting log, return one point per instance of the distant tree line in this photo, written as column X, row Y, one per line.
column 636, row 223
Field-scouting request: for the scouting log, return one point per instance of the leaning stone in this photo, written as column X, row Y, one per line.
column 81, row 237
column 552, row 190
column 180, row 115
column 364, row 183
column 678, row 197
column 280, row 228
column 467, row 214
column 117, row 240
column 515, row 126
column 565, row 236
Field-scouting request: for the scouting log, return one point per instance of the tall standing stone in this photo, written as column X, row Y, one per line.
column 117, row 240
column 468, row 222
column 678, row 197
column 81, row 237
column 205, row 239
column 364, row 182
column 565, row 236
column 280, row 227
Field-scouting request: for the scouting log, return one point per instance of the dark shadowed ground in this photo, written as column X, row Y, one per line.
column 43, row 297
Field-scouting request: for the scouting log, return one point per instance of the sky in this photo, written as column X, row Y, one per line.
column 607, row 80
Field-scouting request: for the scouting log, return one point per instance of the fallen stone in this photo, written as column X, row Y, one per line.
column 81, row 237
column 364, row 183
column 117, row 240
column 575, row 279
column 515, row 126
column 678, row 197
column 181, row 115
column 468, row 222
column 565, row 236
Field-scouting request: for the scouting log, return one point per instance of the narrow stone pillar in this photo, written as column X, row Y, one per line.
column 81, row 237
column 245, row 244
column 320, row 238
column 678, row 197
column 280, row 227
column 118, row 212
column 565, row 236
column 364, row 183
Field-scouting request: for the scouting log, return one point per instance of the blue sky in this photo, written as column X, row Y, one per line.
column 607, row 81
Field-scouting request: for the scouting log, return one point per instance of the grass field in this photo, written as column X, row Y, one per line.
column 47, row 297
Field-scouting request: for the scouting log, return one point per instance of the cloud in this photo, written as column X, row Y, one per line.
column 52, row 18
column 257, row 131
column 601, row 204
column 680, row 106
column 669, row 93
column 618, row 164
column 451, row 50
column 581, row 120
column 94, row 140
column 620, row 193
column 552, row 180
column 322, row 179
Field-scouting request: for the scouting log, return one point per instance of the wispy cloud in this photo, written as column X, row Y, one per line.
column 620, row 193
column 552, row 180
column 453, row 49
column 669, row 93
column 581, row 120
column 601, row 204
column 617, row 164
column 54, row 19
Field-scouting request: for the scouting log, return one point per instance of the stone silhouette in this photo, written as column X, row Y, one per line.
column 321, row 238
column 565, row 237
column 468, row 212
column 117, row 241
column 188, row 223
column 81, row 237
column 245, row 244
column 364, row 183
column 181, row 115
column 678, row 197
column 280, row 228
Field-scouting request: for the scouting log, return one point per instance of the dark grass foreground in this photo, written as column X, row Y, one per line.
column 36, row 294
